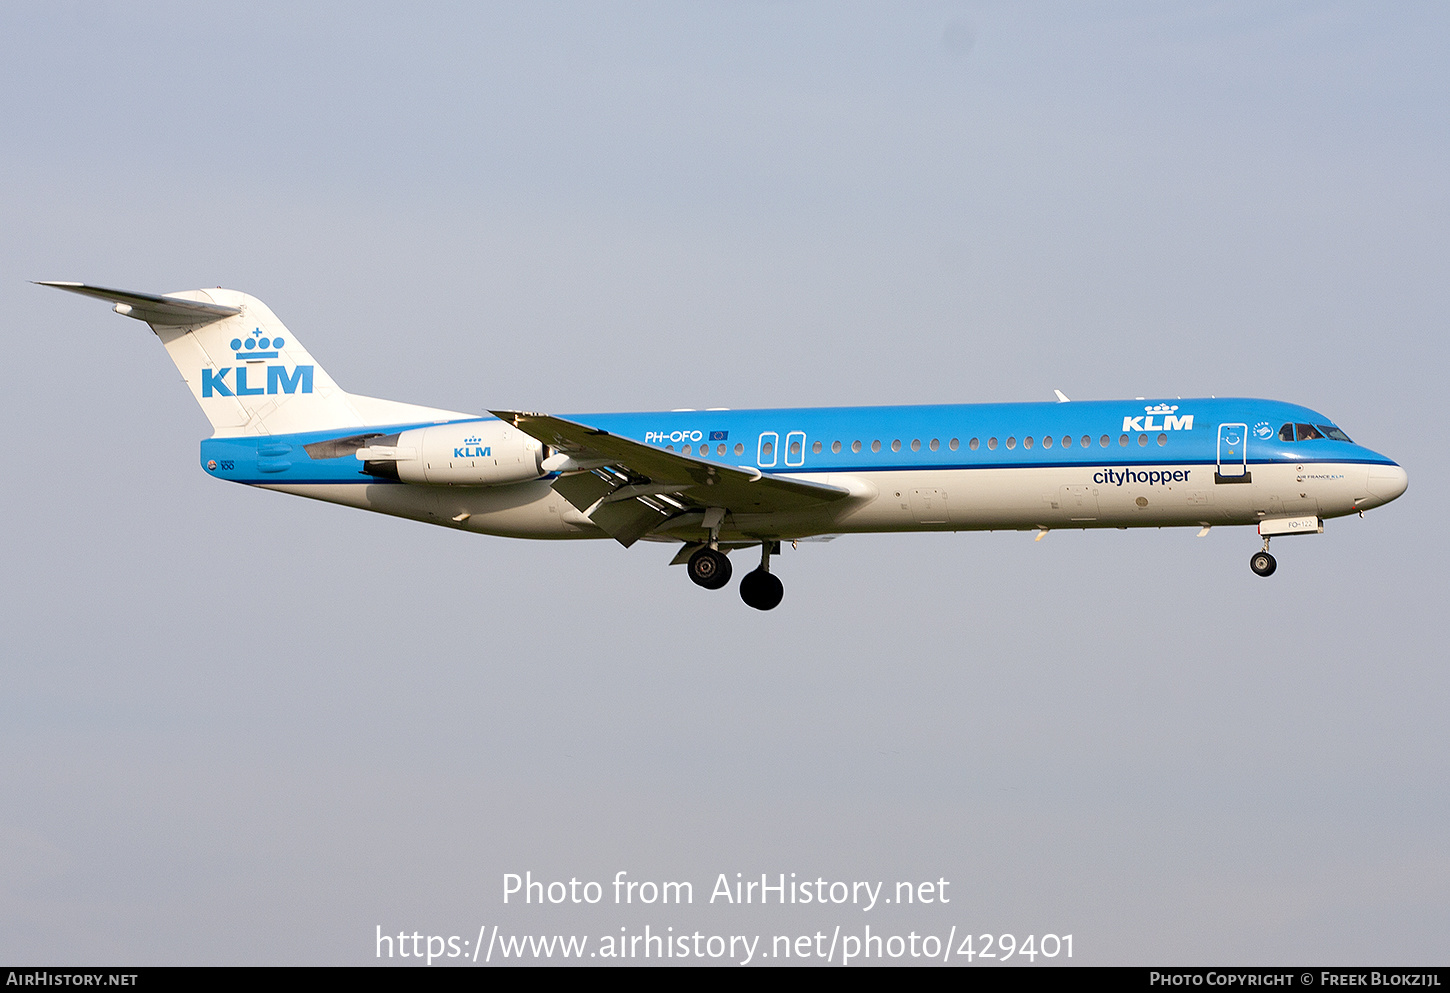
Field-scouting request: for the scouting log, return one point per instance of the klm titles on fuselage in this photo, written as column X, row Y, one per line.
column 1171, row 420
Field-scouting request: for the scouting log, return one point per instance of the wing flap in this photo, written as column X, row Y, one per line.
column 583, row 489
column 627, row 521
column 743, row 489
column 634, row 489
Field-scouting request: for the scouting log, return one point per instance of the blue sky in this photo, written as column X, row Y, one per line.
column 241, row 727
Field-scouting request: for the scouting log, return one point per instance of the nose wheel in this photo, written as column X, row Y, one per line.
column 1262, row 562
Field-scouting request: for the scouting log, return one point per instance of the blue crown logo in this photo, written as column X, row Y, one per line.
column 256, row 346
column 475, row 440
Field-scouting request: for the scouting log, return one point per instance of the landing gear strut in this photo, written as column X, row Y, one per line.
column 1262, row 562
column 759, row 589
column 709, row 568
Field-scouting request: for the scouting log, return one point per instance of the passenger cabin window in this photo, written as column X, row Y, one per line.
column 1306, row 432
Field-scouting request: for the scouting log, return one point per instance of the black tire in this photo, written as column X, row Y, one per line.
column 709, row 568
column 1263, row 564
column 761, row 590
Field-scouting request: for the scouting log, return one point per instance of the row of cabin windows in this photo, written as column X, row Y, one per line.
column 705, row 449
column 767, row 449
column 1309, row 432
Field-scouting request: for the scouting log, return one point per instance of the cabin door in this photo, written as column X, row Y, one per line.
column 1233, row 454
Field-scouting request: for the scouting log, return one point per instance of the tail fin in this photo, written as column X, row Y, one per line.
column 247, row 371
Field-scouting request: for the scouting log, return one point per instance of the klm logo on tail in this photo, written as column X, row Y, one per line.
column 214, row 381
column 257, row 347
column 250, row 349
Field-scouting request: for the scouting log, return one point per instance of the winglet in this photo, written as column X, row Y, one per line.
column 1061, row 397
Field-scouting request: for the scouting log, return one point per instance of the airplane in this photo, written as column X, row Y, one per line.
column 714, row 481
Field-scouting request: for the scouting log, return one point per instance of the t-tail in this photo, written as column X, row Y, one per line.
column 251, row 375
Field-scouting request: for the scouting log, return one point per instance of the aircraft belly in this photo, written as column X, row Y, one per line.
column 1051, row 497
column 521, row 510
column 912, row 500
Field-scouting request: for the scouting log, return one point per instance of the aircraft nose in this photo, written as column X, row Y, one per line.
column 1387, row 481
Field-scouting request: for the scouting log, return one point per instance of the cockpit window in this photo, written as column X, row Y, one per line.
column 1308, row 432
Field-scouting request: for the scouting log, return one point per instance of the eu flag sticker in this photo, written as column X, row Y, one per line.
column 719, row 435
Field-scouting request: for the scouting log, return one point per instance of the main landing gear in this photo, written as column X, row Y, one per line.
column 1262, row 562
column 759, row 589
column 710, row 568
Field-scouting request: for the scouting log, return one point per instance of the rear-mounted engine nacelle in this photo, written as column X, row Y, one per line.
column 474, row 453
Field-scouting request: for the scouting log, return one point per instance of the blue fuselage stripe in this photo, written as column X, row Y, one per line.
column 1173, row 432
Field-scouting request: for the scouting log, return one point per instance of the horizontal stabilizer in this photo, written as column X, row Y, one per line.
column 151, row 308
column 250, row 374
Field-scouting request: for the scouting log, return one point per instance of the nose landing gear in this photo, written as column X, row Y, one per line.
column 1262, row 562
